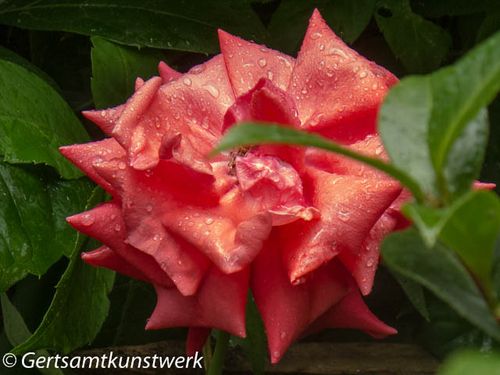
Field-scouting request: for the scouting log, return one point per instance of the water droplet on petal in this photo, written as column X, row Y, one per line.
column 344, row 215
column 156, row 237
column 122, row 165
column 149, row 207
column 363, row 74
column 379, row 150
column 118, row 227
column 262, row 62
column 187, row 81
column 88, row 220
column 212, row 90
column 370, row 262
column 209, row 221
column 270, row 75
column 316, row 35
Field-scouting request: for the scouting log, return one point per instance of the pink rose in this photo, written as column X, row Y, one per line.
column 300, row 227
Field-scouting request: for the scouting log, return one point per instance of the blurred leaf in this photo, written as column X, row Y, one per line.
column 415, row 294
column 33, row 230
column 437, row 120
column 180, row 25
column 496, row 270
column 35, row 120
column 80, row 304
column 248, row 134
column 420, row 44
column 16, row 331
column 439, row 270
column 347, row 17
column 489, row 26
column 467, row 363
column 447, row 331
column 433, row 8
column 115, row 68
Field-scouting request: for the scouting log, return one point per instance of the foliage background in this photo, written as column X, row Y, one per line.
column 59, row 57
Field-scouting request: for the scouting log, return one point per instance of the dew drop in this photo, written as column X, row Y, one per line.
column 363, row 74
column 379, row 150
column 209, row 221
column 187, row 81
column 149, row 207
column 370, row 263
column 156, row 237
column 122, row 165
column 270, row 75
column 213, row 91
column 315, row 36
column 343, row 215
column 118, row 227
column 88, row 220
column 262, row 62
column 321, row 47
column 283, row 335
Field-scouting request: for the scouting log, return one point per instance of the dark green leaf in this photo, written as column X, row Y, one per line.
column 467, row 363
column 444, row 116
column 433, row 8
column 35, row 120
column 17, row 331
column 496, row 271
column 180, row 25
column 33, row 231
column 115, row 68
column 489, row 26
column 420, row 44
column 247, row 134
column 347, row 17
column 415, row 294
column 79, row 307
column 439, row 270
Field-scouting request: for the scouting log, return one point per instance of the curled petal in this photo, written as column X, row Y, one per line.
column 107, row 258
column 106, row 118
column 167, row 74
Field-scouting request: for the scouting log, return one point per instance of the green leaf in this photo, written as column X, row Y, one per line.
column 33, row 230
column 469, row 362
column 457, row 226
column 433, row 8
column 17, row 331
column 347, row 17
column 415, row 294
column 179, row 25
column 439, row 270
column 420, row 44
column 35, row 120
column 444, row 118
column 79, row 307
column 115, row 68
column 248, row 134
column 496, row 272
column 489, row 26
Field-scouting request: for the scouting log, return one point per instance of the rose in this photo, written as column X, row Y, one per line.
column 300, row 227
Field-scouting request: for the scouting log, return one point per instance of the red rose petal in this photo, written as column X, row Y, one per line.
column 167, row 74
column 349, row 207
column 105, row 223
column 196, row 339
column 337, row 91
column 248, row 62
column 105, row 118
column 353, row 313
column 87, row 155
column 228, row 314
column 107, row 258
column 287, row 310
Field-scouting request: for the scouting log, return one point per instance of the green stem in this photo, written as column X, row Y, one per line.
column 217, row 361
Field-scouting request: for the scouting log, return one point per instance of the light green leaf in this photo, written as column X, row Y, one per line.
column 440, row 271
column 469, row 362
column 248, row 134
